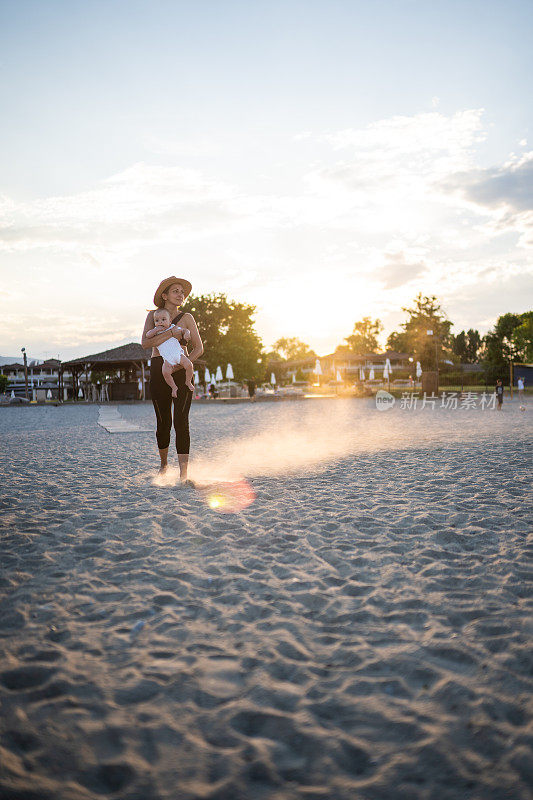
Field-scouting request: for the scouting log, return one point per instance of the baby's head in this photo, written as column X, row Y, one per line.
column 162, row 317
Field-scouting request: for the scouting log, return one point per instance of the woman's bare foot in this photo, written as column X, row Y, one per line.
column 163, row 468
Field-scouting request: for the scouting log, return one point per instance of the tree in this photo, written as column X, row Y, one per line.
column 511, row 339
column 364, row 338
column 425, row 315
column 474, row 345
column 460, row 347
column 522, row 338
column 4, row 380
column 291, row 349
column 467, row 345
column 399, row 341
column 227, row 331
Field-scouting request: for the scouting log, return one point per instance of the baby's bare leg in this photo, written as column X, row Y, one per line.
column 189, row 372
column 167, row 369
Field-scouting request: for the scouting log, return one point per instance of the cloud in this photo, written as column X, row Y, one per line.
column 429, row 144
column 509, row 186
column 142, row 204
column 67, row 331
column 383, row 211
column 504, row 193
column 479, row 304
column 398, row 270
column 384, row 180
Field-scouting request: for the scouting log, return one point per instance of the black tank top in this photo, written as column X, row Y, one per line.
column 175, row 321
column 182, row 341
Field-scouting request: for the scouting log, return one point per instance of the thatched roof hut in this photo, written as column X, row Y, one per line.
column 131, row 354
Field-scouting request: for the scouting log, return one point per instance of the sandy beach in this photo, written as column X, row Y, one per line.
column 362, row 629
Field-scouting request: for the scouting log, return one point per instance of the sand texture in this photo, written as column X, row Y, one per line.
column 361, row 631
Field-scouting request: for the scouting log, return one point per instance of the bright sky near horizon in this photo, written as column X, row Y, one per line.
column 324, row 160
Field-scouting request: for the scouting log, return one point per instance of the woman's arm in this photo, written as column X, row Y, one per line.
column 195, row 341
column 153, row 341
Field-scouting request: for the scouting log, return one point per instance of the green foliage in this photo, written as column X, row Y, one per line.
column 511, row 339
column 466, row 346
column 425, row 314
column 522, row 338
column 291, row 349
column 364, row 338
column 227, row 331
column 4, row 380
column 399, row 341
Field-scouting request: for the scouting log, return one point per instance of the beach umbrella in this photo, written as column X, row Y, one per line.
column 196, row 377
column 219, row 376
column 80, row 393
column 272, row 379
column 48, row 395
column 339, row 377
column 294, row 377
column 318, row 368
column 418, row 369
column 12, row 393
column 207, row 376
column 371, row 374
column 229, row 374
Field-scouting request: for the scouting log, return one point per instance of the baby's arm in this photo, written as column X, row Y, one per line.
column 155, row 331
column 184, row 333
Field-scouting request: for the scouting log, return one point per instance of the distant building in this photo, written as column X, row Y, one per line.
column 42, row 377
column 122, row 373
column 119, row 370
column 524, row 371
column 348, row 364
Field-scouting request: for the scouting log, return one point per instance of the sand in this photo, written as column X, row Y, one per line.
column 362, row 630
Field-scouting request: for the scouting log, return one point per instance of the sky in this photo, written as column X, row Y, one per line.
column 323, row 160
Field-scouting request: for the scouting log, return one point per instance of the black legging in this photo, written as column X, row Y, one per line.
column 162, row 400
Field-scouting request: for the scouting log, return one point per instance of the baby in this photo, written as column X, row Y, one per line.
column 171, row 350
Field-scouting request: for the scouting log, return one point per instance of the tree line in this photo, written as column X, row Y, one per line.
column 229, row 335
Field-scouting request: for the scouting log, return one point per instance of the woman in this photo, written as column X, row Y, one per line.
column 171, row 294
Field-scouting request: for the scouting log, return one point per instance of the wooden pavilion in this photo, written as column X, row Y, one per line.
column 128, row 361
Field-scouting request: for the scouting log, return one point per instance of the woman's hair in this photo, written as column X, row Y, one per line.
column 163, row 301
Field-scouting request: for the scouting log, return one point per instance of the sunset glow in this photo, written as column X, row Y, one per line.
column 331, row 182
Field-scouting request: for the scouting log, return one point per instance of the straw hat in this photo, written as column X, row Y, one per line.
column 164, row 285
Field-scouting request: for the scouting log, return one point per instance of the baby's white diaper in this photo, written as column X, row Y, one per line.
column 171, row 350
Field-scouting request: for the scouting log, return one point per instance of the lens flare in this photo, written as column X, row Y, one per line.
column 229, row 497
column 216, row 501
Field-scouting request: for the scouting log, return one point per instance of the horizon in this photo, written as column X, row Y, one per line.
column 382, row 348
column 328, row 161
